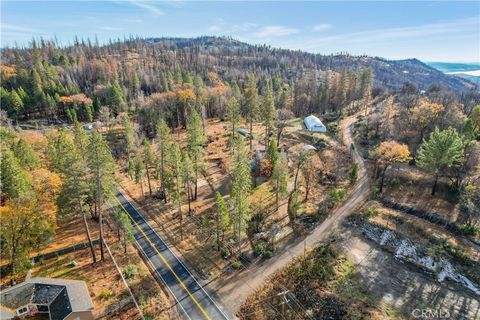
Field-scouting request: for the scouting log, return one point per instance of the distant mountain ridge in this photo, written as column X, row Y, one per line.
column 389, row 73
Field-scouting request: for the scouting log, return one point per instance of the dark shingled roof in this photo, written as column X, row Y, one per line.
column 29, row 293
column 18, row 296
column 60, row 307
column 45, row 293
column 61, row 295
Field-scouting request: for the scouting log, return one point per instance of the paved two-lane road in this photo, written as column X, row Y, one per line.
column 193, row 301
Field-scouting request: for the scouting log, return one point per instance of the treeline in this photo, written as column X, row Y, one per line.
column 85, row 80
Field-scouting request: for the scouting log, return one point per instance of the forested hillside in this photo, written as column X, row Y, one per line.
column 75, row 82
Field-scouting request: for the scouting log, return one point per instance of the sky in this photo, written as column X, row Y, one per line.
column 430, row 31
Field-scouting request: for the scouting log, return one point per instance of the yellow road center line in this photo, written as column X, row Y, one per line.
column 166, row 263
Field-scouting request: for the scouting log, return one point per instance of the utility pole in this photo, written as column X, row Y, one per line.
column 283, row 294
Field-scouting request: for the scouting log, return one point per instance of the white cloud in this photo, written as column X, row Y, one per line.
column 275, row 31
column 11, row 27
column 147, row 5
column 215, row 28
column 110, row 28
column 321, row 27
column 401, row 33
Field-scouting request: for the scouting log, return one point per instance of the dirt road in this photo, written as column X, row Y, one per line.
column 235, row 289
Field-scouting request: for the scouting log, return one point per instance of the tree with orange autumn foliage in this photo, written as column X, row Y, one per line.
column 46, row 185
column 24, row 229
column 7, row 72
column 186, row 96
column 389, row 153
column 424, row 114
column 28, row 210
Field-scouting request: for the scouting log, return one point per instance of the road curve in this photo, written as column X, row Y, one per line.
column 192, row 299
column 233, row 291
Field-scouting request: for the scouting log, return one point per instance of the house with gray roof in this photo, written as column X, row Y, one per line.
column 59, row 298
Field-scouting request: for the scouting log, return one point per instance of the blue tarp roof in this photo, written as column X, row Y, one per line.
column 243, row 132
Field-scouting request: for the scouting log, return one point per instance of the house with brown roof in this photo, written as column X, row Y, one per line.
column 58, row 298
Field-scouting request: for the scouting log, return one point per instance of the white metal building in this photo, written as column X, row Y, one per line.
column 314, row 124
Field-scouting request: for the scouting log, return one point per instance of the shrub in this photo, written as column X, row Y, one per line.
column 130, row 271
column 375, row 193
column 371, row 212
column 260, row 248
column 353, row 175
column 225, row 253
column 395, row 183
column 237, row 265
column 469, row 229
column 319, row 143
column 333, row 127
column 267, row 254
column 105, row 294
column 338, row 194
column 457, row 253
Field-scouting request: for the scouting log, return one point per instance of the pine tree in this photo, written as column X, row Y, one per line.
column 272, row 152
column 125, row 227
column 130, row 136
column 234, row 115
column 89, row 113
column 25, row 154
column 114, row 97
column 164, row 142
column 15, row 104
column 102, row 167
column 131, row 169
column 188, row 173
column 75, row 189
column 135, row 85
column 175, row 161
column 222, row 218
column 16, row 184
column 178, row 75
column 251, row 104
column 241, row 188
column 268, row 113
column 165, row 85
column 474, row 116
column 195, row 141
column 96, row 105
column 442, row 150
column 148, row 160
column 58, row 149
column 279, row 176
column 187, row 78
column 138, row 172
